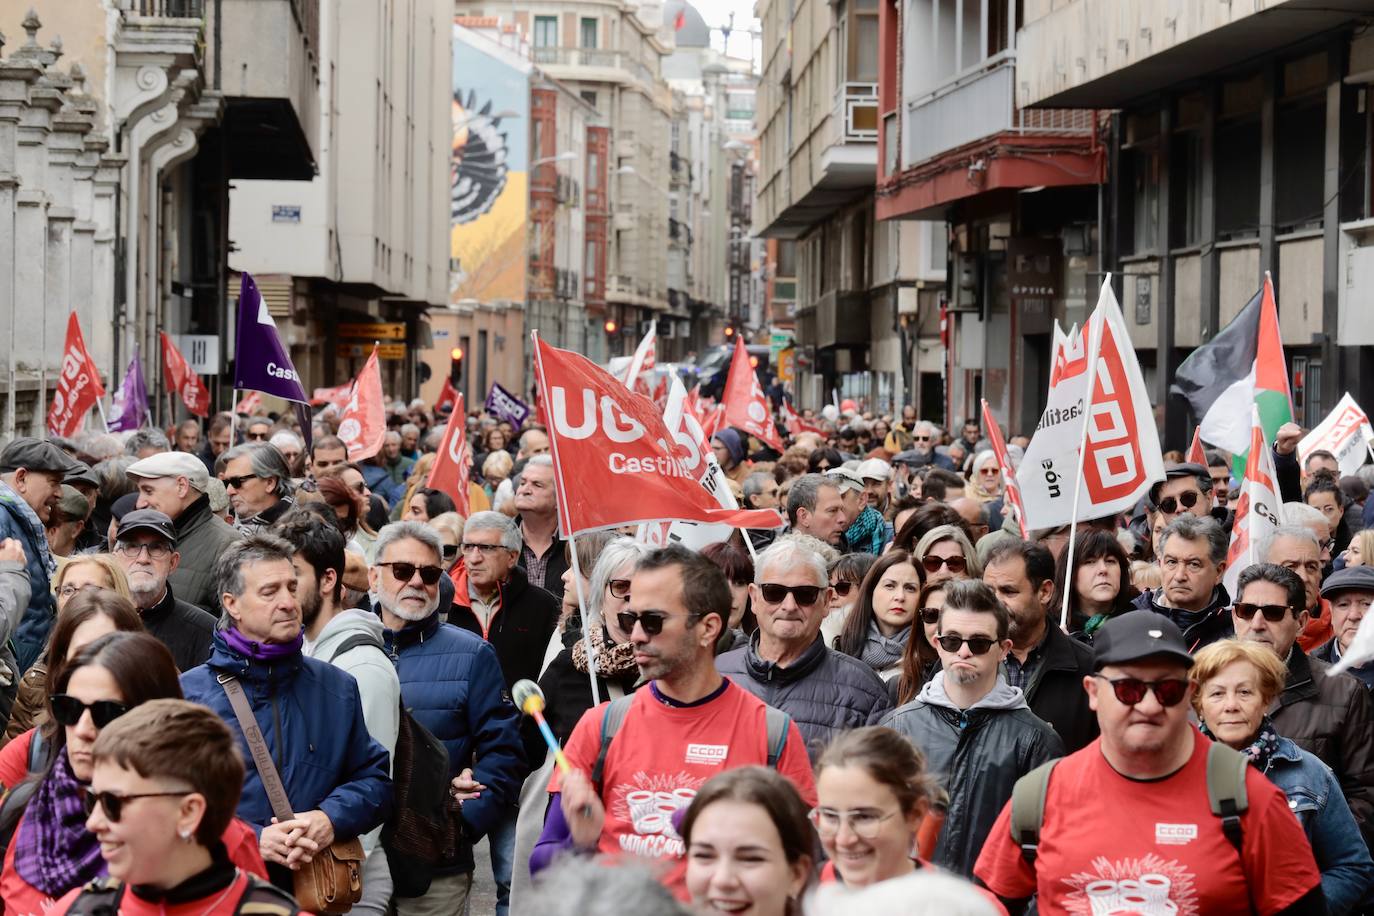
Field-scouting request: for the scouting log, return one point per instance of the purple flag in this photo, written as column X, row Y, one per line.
column 129, row 408
column 261, row 362
column 503, row 405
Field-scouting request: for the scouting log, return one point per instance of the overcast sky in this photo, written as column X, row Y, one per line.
column 717, row 14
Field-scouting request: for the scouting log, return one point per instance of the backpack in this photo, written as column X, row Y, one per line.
column 101, row 898
column 616, row 710
column 422, row 830
column 1226, row 794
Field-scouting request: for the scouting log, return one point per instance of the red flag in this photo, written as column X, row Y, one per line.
column 250, row 402
column 363, row 424
column 338, row 395
column 680, row 20
column 745, row 406
column 1195, row 453
column 78, row 384
column 999, row 448
column 453, row 464
column 447, row 395
column 177, row 375
column 612, row 458
column 794, row 422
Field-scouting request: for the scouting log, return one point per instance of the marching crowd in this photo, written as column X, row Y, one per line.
column 243, row 673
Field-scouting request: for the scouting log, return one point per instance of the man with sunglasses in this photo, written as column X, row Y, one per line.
column 259, row 485
column 1330, row 716
column 1129, row 817
column 976, row 731
column 1192, row 561
column 787, row 663
column 146, row 547
column 1186, row 489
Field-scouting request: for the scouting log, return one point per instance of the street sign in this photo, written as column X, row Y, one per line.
column 384, row 330
column 201, row 352
column 787, row 365
column 362, row 351
column 776, row 344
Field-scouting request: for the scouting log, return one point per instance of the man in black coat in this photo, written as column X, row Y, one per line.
column 146, row 546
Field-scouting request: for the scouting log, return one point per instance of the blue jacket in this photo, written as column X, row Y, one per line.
column 19, row 521
column 311, row 715
column 379, row 481
column 1314, row 795
column 451, row 682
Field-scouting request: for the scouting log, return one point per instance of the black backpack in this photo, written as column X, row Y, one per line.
column 101, row 898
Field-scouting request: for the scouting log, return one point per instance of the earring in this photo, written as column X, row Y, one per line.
column 185, row 835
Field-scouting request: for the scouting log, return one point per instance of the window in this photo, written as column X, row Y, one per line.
column 1299, row 165
column 1185, row 189
column 787, row 258
column 546, row 31
column 1140, row 168
column 588, row 34
column 1237, row 185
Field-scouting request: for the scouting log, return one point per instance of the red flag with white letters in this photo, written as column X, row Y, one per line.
column 78, row 384
column 745, row 406
column 363, row 424
column 177, row 374
column 447, row 395
column 453, row 463
column 999, row 448
column 614, row 461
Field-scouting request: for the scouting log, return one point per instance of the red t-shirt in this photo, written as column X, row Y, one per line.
column 1110, row 844
column 14, row 759
column 662, row 755
column 131, row 904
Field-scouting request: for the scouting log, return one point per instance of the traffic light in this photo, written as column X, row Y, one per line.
column 611, row 326
column 455, row 366
column 729, row 332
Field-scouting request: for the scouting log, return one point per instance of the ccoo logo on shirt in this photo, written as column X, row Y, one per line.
column 708, row 754
column 1175, row 834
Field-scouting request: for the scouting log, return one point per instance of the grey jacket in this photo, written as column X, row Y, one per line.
column 825, row 692
column 14, row 600
column 201, row 539
column 977, row 754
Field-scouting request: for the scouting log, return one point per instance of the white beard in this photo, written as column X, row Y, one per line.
column 405, row 612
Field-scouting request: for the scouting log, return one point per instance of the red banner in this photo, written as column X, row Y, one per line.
column 78, row 384
column 1009, row 485
column 1195, row 451
column 613, row 457
column 250, row 402
column 363, row 424
column 177, row 374
column 338, row 395
column 447, row 395
column 794, row 422
column 453, row 464
column 745, row 406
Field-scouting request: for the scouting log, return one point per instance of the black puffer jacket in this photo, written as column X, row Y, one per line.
column 1200, row 628
column 977, row 754
column 1055, row 692
column 825, row 692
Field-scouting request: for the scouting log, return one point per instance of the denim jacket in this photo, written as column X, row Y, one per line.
column 1315, row 798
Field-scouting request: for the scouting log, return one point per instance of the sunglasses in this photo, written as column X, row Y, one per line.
column 929, row 615
column 238, row 482
column 842, row 588
column 806, row 595
column 113, row 805
column 1272, row 612
column 1131, row 690
column 651, row 622
column 619, row 588
column 255, row 437
column 67, row 710
column 404, row 572
column 1168, row 505
column 978, row 645
column 956, row 565
column 450, row 551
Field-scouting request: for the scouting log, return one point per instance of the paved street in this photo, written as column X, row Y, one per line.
column 482, row 902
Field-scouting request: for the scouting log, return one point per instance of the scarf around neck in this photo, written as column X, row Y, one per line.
column 1260, row 751
column 263, row 652
column 612, row 661
column 866, row 531
column 54, row 852
column 882, row 652
column 11, row 497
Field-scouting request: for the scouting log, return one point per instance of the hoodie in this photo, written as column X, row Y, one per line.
column 977, row 754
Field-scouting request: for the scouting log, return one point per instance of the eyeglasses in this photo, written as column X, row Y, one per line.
column 1272, row 612
column 842, row 587
column 67, row 710
column 619, row 588
column 978, row 645
column 238, row 482
column 990, row 472
column 67, row 591
column 485, row 550
column 651, row 622
column 404, row 572
column 806, row 595
column 929, row 615
column 863, row 822
column 956, row 564
column 155, row 551
column 255, row 437
column 113, row 805
column 1169, row 505
column 1131, row 690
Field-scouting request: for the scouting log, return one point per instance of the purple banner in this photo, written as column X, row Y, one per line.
column 130, row 405
column 503, row 405
column 261, row 362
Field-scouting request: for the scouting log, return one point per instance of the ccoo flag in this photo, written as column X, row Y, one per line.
column 362, row 425
column 746, row 408
column 1240, row 366
column 78, row 384
column 261, row 363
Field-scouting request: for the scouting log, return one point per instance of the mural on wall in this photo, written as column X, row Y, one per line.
column 488, row 176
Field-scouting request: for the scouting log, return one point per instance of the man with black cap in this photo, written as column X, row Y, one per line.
column 31, row 472
column 1127, row 823
column 146, row 546
column 1350, row 591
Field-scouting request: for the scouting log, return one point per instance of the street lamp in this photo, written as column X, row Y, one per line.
column 561, row 157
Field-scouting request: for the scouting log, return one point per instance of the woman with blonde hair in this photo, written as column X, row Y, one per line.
column 1360, row 551
column 946, row 553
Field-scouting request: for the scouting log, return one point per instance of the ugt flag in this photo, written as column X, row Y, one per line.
column 610, row 441
column 1259, row 509
column 1121, row 457
column 1344, row 433
column 78, row 384
column 1240, row 366
column 745, row 406
column 261, row 363
column 130, row 405
column 362, row 426
column 453, row 464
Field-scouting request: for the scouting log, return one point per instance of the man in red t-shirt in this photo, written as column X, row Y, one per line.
column 685, row 726
column 1128, row 826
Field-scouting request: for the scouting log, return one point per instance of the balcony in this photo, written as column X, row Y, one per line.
column 613, row 66
column 856, row 112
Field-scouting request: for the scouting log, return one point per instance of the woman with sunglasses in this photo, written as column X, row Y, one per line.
column 881, row 623
column 845, row 575
column 984, row 478
column 165, row 781
column 749, row 846
column 1234, row 684
column 946, row 554
column 1101, row 582
column 449, row 525
column 920, row 659
column 50, row 850
column 734, row 561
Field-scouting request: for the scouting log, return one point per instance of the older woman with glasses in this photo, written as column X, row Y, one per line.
column 1235, row 683
column 946, row 554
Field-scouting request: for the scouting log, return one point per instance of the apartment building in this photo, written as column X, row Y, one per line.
column 1240, row 144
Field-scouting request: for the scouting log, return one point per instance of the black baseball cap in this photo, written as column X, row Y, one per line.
column 36, row 455
column 147, row 520
column 1137, row 635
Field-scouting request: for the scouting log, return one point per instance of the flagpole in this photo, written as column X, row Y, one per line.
column 103, row 419
column 1093, row 345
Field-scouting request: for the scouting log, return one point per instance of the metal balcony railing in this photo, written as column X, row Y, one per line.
column 172, row 9
column 594, row 57
column 856, row 112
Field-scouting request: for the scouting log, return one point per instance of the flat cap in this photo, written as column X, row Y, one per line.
column 173, row 464
column 83, row 475
column 874, row 469
column 1350, row 579
column 72, row 503
column 36, row 455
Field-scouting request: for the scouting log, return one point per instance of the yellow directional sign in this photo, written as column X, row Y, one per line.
column 386, row 330
column 362, row 351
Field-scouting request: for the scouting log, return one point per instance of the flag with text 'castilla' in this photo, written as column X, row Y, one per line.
column 452, row 467
column 261, row 362
column 615, row 462
column 362, row 425
column 1259, row 510
column 180, row 378
column 78, row 384
column 1122, row 457
column 746, row 408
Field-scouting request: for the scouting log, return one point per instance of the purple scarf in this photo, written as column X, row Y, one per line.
column 263, row 652
column 54, row 852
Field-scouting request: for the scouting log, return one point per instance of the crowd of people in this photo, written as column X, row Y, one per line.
column 239, row 670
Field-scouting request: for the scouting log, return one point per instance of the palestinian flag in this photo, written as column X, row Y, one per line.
column 1242, row 365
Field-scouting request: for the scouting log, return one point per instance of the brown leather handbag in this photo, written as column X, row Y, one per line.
column 333, row 880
